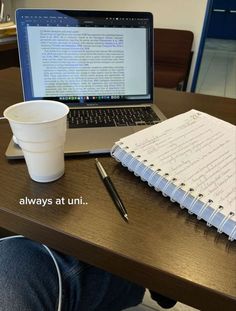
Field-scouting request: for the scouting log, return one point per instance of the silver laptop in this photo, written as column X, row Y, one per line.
column 99, row 63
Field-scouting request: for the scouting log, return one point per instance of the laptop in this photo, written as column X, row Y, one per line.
column 99, row 63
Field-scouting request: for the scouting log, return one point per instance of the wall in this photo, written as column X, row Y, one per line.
column 178, row 14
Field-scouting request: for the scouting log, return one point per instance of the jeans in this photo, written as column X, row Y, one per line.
column 29, row 281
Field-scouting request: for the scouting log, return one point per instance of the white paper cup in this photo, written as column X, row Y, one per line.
column 40, row 127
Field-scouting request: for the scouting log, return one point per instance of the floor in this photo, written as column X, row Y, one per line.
column 150, row 305
column 217, row 74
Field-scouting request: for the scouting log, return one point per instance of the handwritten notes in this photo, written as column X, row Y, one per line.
column 196, row 149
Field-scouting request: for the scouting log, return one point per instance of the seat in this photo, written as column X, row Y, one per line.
column 9, row 56
column 172, row 57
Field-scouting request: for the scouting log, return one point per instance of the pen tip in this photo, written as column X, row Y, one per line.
column 126, row 217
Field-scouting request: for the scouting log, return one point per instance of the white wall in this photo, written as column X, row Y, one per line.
column 178, row 14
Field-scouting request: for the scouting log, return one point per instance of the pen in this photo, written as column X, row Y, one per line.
column 111, row 189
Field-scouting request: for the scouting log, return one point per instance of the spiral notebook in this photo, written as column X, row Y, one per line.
column 190, row 158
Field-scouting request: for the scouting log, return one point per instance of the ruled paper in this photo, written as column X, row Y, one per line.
column 196, row 149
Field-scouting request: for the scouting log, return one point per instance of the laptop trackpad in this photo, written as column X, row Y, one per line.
column 95, row 140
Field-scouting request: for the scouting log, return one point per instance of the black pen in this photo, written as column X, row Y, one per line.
column 112, row 190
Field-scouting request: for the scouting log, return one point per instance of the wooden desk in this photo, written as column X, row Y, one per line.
column 162, row 247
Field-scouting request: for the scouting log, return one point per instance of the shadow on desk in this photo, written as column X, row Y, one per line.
column 4, row 232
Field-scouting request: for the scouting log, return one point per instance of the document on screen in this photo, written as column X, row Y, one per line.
column 83, row 61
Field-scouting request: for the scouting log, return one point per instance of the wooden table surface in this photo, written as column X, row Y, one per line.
column 162, row 247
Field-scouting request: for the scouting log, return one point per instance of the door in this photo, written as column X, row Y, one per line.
column 223, row 20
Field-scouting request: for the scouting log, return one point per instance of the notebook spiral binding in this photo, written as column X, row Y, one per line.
column 186, row 194
column 223, row 222
column 215, row 212
column 122, row 156
column 233, row 232
column 194, row 201
column 171, row 181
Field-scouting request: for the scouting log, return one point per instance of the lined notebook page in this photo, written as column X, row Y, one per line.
column 197, row 149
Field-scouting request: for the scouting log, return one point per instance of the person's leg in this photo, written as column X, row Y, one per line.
column 29, row 281
column 28, row 277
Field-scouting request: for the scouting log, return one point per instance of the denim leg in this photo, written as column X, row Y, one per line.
column 29, row 281
column 93, row 289
column 28, row 277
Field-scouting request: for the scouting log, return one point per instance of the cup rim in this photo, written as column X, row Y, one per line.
column 33, row 101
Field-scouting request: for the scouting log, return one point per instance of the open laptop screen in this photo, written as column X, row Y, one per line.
column 86, row 57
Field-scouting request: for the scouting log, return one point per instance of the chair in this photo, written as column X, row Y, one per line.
column 9, row 56
column 172, row 57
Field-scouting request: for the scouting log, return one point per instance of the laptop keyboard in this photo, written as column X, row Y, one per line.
column 112, row 117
